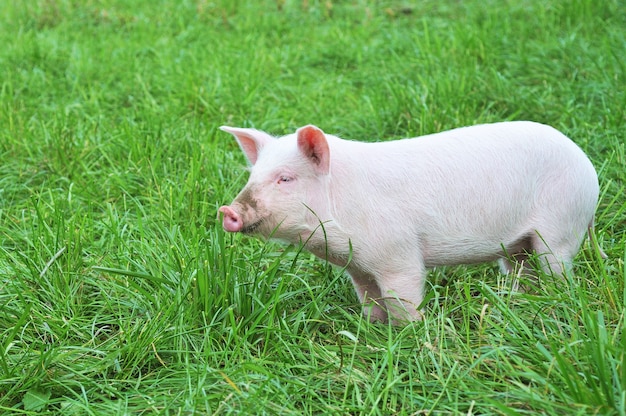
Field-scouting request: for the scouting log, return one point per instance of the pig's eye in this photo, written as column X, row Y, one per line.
column 284, row 179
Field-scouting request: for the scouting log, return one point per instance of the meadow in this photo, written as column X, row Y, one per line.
column 121, row 294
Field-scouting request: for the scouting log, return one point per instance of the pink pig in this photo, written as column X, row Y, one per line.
column 386, row 211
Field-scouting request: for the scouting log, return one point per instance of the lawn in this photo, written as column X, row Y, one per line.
column 121, row 294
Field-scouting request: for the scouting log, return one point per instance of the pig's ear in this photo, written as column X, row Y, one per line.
column 314, row 146
column 251, row 141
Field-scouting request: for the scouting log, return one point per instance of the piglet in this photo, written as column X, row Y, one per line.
column 387, row 211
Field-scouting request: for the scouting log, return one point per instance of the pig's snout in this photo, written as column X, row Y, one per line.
column 232, row 221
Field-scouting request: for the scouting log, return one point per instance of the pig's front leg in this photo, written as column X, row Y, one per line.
column 403, row 292
column 394, row 295
column 369, row 295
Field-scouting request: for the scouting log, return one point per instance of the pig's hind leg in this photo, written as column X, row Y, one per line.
column 516, row 263
column 555, row 254
column 551, row 255
column 514, row 259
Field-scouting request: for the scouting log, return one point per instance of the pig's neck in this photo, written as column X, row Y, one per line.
column 350, row 197
column 324, row 237
column 337, row 254
column 325, row 234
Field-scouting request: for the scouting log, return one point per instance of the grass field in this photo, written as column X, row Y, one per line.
column 121, row 294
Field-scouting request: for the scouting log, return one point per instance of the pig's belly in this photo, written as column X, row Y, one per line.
column 465, row 250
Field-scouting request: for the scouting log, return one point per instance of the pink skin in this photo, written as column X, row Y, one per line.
column 387, row 211
column 232, row 221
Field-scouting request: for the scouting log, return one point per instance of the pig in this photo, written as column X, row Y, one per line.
column 387, row 211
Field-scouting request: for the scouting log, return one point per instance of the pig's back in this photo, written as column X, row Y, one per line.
column 515, row 139
column 520, row 156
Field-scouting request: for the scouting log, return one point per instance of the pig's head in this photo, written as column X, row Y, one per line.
column 286, row 195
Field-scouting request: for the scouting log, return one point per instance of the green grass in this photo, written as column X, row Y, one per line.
column 120, row 293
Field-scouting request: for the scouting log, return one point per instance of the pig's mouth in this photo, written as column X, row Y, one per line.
column 250, row 229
